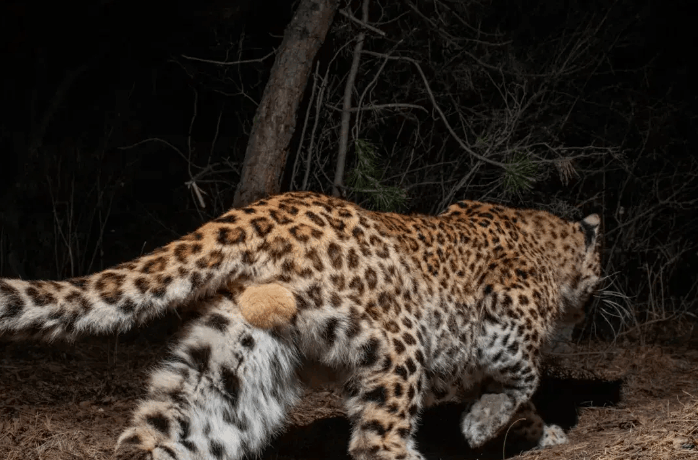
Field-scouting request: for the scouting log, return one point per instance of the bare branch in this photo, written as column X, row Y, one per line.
column 227, row 63
column 346, row 106
column 347, row 14
column 438, row 109
column 155, row 139
column 395, row 105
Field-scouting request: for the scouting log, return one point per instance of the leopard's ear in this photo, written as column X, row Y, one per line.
column 591, row 226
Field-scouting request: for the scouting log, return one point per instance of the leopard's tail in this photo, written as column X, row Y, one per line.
column 240, row 246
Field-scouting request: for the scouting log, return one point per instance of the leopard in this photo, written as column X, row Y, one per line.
column 411, row 310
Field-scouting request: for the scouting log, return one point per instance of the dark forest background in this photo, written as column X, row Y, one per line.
column 123, row 125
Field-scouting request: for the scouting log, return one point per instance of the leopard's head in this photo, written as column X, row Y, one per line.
column 585, row 274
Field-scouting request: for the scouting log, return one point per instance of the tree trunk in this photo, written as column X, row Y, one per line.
column 275, row 120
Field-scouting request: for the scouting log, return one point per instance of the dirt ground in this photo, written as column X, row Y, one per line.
column 67, row 401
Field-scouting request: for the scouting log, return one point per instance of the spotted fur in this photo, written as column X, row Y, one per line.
column 225, row 389
column 415, row 310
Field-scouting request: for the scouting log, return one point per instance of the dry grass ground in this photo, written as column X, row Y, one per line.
column 71, row 402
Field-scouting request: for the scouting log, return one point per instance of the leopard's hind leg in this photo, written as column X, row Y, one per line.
column 223, row 392
column 383, row 401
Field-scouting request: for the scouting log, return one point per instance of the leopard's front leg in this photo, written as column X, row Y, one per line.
column 505, row 355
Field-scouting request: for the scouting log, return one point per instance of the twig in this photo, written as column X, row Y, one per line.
column 305, row 125
column 438, row 109
column 346, row 106
column 154, row 139
column 347, row 14
column 311, row 147
column 224, row 63
column 395, row 105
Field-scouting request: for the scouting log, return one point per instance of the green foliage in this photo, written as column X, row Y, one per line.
column 520, row 174
column 365, row 180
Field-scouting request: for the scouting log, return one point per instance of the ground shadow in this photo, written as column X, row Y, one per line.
column 439, row 437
